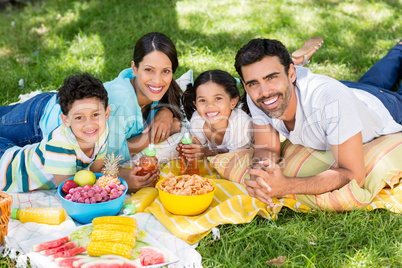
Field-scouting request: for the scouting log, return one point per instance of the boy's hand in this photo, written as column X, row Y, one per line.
column 137, row 182
column 160, row 126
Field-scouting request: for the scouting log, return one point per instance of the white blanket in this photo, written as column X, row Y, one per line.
column 18, row 232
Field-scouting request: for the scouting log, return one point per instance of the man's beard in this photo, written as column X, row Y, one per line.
column 280, row 109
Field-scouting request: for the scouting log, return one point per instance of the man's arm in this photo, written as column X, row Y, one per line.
column 266, row 143
column 266, row 147
column 348, row 155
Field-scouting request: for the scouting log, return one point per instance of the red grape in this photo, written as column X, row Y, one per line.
column 98, row 197
column 114, row 191
column 86, row 187
column 122, row 187
column 91, row 193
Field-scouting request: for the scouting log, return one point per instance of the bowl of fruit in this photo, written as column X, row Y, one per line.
column 89, row 195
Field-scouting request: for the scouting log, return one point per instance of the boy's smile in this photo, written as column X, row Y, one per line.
column 87, row 120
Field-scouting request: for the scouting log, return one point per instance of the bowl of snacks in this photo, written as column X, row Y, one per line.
column 89, row 195
column 186, row 195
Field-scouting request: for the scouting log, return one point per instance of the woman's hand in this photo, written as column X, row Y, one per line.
column 160, row 126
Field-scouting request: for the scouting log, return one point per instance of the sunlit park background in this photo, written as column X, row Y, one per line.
column 43, row 41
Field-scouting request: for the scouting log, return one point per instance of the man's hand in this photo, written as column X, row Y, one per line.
column 160, row 126
column 267, row 181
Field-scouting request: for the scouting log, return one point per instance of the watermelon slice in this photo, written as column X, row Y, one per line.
column 132, row 264
column 50, row 244
column 112, row 256
column 105, row 263
column 127, row 262
column 69, row 261
column 68, row 253
column 63, row 247
column 153, row 255
column 79, row 263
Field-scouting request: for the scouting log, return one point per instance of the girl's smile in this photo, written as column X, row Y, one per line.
column 214, row 104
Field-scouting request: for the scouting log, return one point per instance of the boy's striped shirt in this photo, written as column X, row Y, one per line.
column 32, row 166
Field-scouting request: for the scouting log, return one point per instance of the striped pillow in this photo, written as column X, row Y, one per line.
column 233, row 166
column 381, row 156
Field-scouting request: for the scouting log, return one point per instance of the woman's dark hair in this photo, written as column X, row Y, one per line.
column 257, row 49
column 219, row 77
column 78, row 87
column 160, row 42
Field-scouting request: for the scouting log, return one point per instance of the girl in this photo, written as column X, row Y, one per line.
column 217, row 125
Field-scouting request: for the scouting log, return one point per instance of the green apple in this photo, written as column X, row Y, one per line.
column 84, row 177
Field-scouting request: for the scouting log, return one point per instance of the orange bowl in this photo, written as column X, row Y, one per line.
column 185, row 205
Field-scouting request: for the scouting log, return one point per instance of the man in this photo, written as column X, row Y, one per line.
column 315, row 111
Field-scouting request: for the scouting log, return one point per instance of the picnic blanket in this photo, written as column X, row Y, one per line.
column 232, row 205
column 18, row 232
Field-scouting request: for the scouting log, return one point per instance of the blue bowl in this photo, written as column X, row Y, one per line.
column 85, row 213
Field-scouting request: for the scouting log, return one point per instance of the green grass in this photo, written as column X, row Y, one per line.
column 355, row 239
column 52, row 39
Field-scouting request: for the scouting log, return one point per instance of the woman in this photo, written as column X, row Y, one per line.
column 144, row 100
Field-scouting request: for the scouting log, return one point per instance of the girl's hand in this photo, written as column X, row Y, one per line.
column 195, row 150
column 136, row 182
column 160, row 126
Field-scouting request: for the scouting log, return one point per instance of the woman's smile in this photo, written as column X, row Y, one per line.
column 152, row 77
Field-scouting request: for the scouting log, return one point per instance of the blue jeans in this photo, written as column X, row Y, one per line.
column 19, row 123
column 383, row 81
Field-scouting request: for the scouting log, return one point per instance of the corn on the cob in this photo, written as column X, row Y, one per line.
column 113, row 236
column 115, row 227
column 104, row 248
column 115, row 220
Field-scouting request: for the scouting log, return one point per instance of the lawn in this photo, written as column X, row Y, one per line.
column 44, row 41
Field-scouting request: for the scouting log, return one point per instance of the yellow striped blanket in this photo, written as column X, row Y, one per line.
column 232, row 205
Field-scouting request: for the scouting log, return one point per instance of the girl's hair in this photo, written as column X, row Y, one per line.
column 219, row 77
column 160, row 42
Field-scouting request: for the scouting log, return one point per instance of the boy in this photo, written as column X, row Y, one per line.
column 79, row 143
